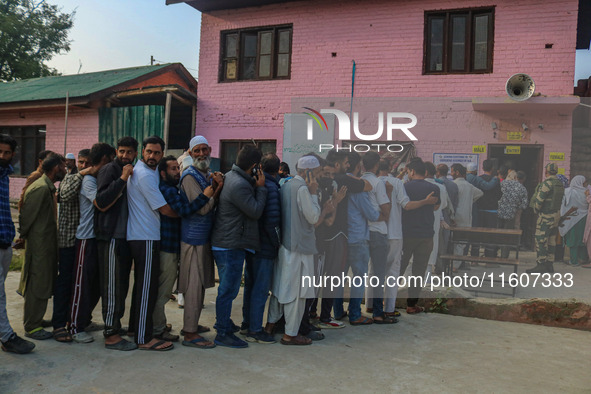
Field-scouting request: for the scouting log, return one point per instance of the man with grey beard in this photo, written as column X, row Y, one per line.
column 196, row 272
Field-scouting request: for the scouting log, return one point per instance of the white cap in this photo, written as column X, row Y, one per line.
column 197, row 140
column 308, row 163
column 472, row 167
column 70, row 156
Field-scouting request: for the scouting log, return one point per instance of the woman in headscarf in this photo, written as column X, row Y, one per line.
column 587, row 235
column 573, row 229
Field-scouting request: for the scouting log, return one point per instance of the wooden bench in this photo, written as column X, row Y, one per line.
column 480, row 236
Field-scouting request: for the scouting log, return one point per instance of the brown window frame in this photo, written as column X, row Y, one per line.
column 238, row 59
column 241, row 143
column 469, row 40
column 18, row 133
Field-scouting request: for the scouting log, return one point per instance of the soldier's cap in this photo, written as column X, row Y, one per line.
column 552, row 168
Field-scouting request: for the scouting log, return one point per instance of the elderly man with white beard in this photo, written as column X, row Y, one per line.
column 196, row 272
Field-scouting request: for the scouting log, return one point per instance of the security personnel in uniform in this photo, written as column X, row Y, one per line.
column 546, row 203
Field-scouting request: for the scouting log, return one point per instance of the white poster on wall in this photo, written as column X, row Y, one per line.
column 452, row 158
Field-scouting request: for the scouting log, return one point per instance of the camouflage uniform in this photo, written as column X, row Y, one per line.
column 546, row 203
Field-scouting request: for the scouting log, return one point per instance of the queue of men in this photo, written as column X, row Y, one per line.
column 171, row 221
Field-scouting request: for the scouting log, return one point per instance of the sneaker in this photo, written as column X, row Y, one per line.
column 230, row 340
column 260, row 337
column 82, row 337
column 18, row 345
column 331, row 324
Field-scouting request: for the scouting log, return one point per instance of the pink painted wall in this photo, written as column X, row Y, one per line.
column 385, row 38
column 83, row 128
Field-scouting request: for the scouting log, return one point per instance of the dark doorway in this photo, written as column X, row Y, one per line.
column 530, row 161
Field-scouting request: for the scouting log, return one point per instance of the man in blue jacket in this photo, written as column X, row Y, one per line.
column 236, row 233
column 259, row 266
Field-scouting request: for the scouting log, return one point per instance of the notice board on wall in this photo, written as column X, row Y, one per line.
column 452, row 158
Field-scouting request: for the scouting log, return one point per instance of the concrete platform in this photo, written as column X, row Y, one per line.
column 422, row 353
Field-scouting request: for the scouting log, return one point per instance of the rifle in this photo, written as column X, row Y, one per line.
column 566, row 216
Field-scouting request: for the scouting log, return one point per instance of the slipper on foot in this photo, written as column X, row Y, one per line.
column 82, row 337
column 194, row 343
column 385, row 320
column 362, row 321
column 123, row 345
column 411, row 310
column 155, row 347
column 39, row 334
column 62, row 335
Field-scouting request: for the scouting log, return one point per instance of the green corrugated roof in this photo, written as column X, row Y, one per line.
column 79, row 85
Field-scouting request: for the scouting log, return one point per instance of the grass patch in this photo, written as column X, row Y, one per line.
column 18, row 259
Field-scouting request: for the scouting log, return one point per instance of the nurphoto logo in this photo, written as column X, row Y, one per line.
column 392, row 120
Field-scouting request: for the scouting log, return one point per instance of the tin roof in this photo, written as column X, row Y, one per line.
column 78, row 85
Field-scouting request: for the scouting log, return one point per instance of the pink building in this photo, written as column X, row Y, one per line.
column 257, row 56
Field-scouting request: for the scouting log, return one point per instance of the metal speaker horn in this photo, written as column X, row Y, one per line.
column 520, row 87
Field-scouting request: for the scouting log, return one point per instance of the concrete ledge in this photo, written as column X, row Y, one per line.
column 564, row 313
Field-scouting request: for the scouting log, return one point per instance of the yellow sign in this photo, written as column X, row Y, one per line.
column 514, row 136
column 557, row 156
column 561, row 171
column 478, row 148
column 513, row 150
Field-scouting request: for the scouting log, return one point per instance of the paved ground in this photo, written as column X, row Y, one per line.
column 425, row 353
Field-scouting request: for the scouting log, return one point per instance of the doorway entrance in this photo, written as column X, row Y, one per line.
column 529, row 159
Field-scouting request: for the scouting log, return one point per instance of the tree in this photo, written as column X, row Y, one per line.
column 31, row 33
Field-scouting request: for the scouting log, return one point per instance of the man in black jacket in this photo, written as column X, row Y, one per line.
column 111, row 230
column 259, row 266
column 236, row 233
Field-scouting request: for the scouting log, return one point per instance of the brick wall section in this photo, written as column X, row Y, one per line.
column 82, row 132
column 385, row 38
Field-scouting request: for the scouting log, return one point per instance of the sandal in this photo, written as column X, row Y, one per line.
column 167, row 336
column 411, row 310
column 39, row 334
column 392, row 314
column 385, row 320
column 362, row 321
column 123, row 345
column 62, row 335
column 297, row 341
column 155, row 347
column 586, row 266
column 194, row 343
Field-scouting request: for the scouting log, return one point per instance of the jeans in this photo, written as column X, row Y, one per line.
column 358, row 260
column 5, row 329
column 378, row 251
column 230, row 264
column 62, row 289
column 257, row 283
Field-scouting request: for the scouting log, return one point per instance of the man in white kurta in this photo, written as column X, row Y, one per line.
column 467, row 195
column 300, row 212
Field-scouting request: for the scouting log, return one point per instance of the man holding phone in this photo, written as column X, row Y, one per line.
column 236, row 233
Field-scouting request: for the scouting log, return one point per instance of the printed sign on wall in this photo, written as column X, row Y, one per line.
column 513, row 150
column 557, row 156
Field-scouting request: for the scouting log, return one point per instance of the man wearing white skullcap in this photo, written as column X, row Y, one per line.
column 196, row 272
column 300, row 211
